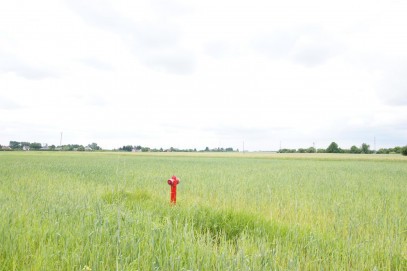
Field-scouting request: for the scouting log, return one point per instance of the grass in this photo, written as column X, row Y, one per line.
column 111, row 211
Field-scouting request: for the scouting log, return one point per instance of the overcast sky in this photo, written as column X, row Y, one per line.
column 191, row 74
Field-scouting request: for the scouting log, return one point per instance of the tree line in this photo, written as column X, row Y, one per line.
column 334, row 148
column 23, row 145
column 35, row 146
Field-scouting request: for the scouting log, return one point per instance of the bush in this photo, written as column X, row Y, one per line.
column 404, row 151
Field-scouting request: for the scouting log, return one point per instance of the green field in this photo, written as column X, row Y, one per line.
column 110, row 211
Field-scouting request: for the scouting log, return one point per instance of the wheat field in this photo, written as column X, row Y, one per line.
column 252, row 211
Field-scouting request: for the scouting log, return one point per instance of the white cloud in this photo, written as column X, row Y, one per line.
column 217, row 49
column 197, row 74
column 155, row 43
column 12, row 64
column 96, row 64
column 7, row 104
column 393, row 84
column 306, row 45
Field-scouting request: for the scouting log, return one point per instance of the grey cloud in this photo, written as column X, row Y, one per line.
column 179, row 62
column 96, row 64
column 387, row 134
column 11, row 63
column 246, row 132
column 389, row 74
column 95, row 100
column 152, row 35
column 169, row 8
column 27, row 131
column 216, row 49
column 147, row 34
column 90, row 100
column 308, row 46
column 278, row 45
column 8, row 104
column 97, row 13
column 155, row 43
column 313, row 55
column 393, row 85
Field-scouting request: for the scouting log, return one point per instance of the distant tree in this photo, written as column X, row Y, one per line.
column 355, row 149
column 311, row 150
column 81, row 148
column 287, row 151
column 126, row 148
column 301, row 150
column 14, row 144
column 94, row 147
column 396, row 150
column 52, row 147
column 321, row 151
column 35, row 146
column 145, row 149
column 390, row 150
column 365, row 148
column 207, row 149
column 229, row 149
column 383, row 151
column 403, row 151
column 333, row 148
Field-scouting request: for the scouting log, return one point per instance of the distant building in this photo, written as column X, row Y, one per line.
column 136, row 150
column 5, row 148
column 26, row 148
column 87, row 148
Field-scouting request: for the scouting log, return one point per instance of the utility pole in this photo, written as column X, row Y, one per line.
column 243, row 146
column 60, row 141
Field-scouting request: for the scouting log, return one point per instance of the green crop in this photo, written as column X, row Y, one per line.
column 111, row 211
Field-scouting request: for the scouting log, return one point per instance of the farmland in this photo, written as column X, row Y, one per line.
column 110, row 211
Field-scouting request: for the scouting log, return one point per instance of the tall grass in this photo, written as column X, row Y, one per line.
column 109, row 211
